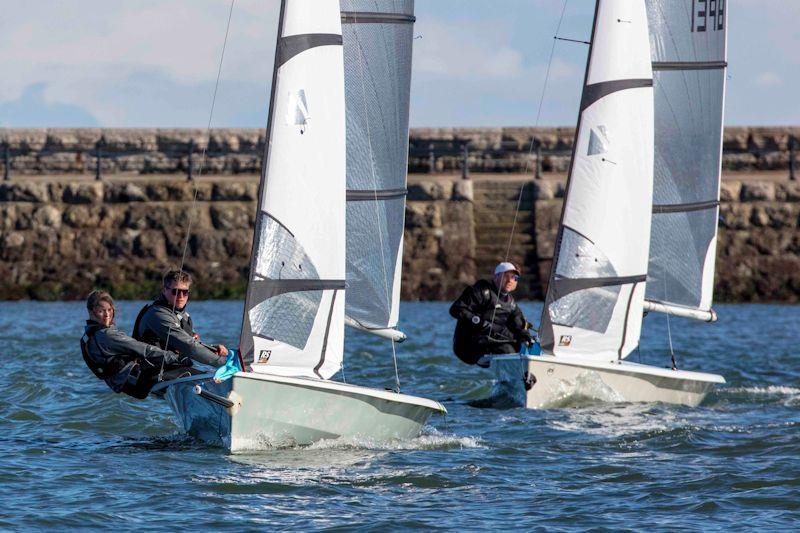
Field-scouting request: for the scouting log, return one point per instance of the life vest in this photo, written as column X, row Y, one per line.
column 120, row 375
column 148, row 336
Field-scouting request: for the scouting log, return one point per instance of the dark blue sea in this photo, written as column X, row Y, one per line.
column 77, row 456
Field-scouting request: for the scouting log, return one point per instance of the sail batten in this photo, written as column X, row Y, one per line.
column 593, row 306
column 688, row 54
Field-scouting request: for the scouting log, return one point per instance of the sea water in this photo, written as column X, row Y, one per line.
column 75, row 455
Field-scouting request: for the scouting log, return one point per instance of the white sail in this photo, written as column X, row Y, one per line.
column 688, row 49
column 294, row 313
column 378, row 40
column 593, row 307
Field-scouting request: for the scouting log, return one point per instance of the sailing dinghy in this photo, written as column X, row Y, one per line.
column 327, row 247
column 639, row 221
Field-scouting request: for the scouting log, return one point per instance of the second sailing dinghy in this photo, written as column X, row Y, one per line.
column 338, row 118
column 638, row 226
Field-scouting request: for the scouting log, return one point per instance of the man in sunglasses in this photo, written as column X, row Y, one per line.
column 489, row 320
column 167, row 324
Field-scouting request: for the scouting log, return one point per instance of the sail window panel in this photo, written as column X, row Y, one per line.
column 279, row 255
column 688, row 118
column 580, row 258
column 687, row 30
column 589, row 309
column 679, row 244
column 288, row 317
column 374, row 233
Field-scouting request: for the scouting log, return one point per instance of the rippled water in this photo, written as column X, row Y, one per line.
column 76, row 455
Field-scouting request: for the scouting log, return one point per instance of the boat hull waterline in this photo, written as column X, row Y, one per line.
column 555, row 381
column 275, row 411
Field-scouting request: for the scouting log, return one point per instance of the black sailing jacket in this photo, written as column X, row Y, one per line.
column 482, row 300
column 157, row 322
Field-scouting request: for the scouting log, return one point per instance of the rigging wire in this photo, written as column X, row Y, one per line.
column 193, row 207
column 377, row 209
column 531, row 148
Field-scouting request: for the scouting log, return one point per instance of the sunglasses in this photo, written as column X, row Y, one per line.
column 179, row 292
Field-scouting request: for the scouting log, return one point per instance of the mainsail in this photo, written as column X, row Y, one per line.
column 593, row 307
column 378, row 38
column 294, row 312
column 688, row 49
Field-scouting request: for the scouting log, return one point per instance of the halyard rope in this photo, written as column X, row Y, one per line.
column 530, row 149
column 192, row 209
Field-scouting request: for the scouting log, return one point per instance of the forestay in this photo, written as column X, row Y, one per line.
column 688, row 49
column 294, row 312
column 593, row 306
column 378, row 38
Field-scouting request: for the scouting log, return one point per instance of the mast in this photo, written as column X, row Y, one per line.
column 593, row 307
column 245, row 341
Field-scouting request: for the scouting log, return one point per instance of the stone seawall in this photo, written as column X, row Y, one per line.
column 238, row 151
column 60, row 236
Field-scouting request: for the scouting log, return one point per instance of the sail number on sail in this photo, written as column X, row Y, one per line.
column 708, row 15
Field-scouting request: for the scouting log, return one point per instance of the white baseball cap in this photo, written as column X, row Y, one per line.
column 505, row 267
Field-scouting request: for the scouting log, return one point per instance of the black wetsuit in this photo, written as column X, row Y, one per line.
column 127, row 365
column 157, row 324
column 500, row 328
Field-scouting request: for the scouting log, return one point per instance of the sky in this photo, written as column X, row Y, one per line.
column 477, row 63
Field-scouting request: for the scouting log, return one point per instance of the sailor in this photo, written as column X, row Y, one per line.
column 125, row 364
column 489, row 320
column 167, row 324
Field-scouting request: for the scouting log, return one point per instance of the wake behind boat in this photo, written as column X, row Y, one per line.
column 639, row 222
column 328, row 237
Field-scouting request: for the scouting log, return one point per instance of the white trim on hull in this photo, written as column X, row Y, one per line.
column 561, row 379
column 275, row 411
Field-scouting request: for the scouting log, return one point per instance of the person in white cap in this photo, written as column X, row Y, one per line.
column 489, row 321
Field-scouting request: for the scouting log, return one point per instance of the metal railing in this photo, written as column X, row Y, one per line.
column 441, row 156
column 425, row 156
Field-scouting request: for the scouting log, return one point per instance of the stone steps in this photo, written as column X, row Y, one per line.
column 494, row 215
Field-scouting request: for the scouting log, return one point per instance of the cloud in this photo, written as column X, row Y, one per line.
column 465, row 49
column 32, row 110
column 93, row 56
column 768, row 79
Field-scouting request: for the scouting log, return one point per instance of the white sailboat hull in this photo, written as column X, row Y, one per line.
column 561, row 380
column 275, row 411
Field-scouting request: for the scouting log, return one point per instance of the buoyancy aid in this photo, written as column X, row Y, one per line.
column 121, row 374
column 183, row 317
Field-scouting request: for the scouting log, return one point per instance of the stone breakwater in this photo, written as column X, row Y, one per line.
column 238, row 151
column 62, row 236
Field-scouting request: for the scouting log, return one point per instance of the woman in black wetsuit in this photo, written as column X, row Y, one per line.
column 125, row 364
